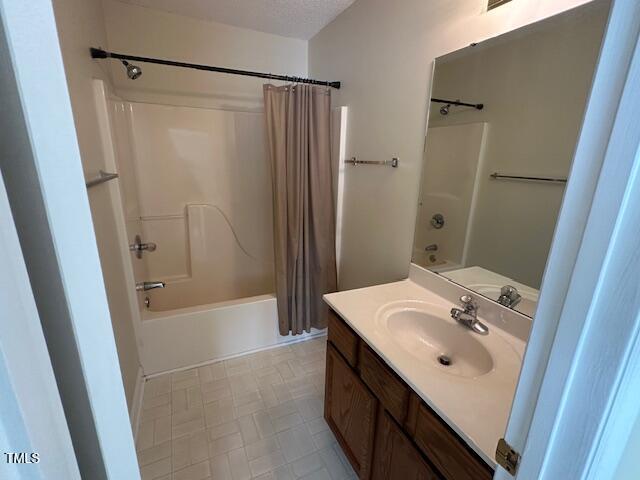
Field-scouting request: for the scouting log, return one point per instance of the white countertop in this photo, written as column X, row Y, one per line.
column 475, row 408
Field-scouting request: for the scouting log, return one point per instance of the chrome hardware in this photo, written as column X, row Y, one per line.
column 498, row 176
column 101, row 178
column 507, row 457
column 355, row 162
column 509, row 296
column 469, row 304
column 437, row 221
column 147, row 302
column 144, row 286
column 469, row 316
column 140, row 247
column 431, row 248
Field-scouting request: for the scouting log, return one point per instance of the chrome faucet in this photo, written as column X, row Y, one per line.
column 469, row 316
column 144, row 286
column 509, row 296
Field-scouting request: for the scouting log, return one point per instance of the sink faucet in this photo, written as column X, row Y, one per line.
column 509, row 296
column 469, row 316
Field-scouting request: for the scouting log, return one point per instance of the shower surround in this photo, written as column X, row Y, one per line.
column 197, row 183
column 205, row 199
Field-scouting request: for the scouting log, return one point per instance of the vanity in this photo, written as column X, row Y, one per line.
column 419, row 382
column 411, row 393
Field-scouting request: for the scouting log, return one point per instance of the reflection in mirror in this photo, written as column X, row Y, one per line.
column 504, row 121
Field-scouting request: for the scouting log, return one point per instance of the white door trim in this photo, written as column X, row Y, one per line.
column 593, row 201
column 46, row 190
column 33, row 420
column 599, row 323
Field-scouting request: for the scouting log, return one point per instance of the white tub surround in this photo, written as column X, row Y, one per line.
column 477, row 408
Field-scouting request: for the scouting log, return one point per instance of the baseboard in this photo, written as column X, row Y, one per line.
column 136, row 404
column 294, row 339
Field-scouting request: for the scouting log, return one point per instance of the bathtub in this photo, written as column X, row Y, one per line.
column 184, row 337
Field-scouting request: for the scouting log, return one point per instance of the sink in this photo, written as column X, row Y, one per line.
column 431, row 336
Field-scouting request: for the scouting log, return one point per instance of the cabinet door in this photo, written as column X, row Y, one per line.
column 395, row 456
column 445, row 450
column 350, row 410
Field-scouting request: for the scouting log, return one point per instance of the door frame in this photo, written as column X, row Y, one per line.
column 32, row 419
column 571, row 347
column 42, row 170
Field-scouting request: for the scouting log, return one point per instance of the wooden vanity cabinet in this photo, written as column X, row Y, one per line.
column 385, row 430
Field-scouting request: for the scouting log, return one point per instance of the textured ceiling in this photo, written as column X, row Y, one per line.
column 289, row 18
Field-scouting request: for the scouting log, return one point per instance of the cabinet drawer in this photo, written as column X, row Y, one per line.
column 446, row 451
column 343, row 338
column 391, row 391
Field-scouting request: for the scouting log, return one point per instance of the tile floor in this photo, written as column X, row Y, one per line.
column 254, row 417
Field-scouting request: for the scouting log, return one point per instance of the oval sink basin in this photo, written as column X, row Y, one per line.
column 432, row 337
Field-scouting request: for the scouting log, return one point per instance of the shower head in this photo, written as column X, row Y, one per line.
column 445, row 109
column 133, row 71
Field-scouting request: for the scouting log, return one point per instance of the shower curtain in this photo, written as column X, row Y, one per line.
column 299, row 143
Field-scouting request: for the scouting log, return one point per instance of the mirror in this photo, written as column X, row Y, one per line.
column 502, row 129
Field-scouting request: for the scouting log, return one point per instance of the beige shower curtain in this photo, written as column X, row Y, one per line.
column 299, row 143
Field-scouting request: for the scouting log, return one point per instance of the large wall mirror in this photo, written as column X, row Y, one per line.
column 503, row 125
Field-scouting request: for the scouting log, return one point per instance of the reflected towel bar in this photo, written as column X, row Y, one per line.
column 498, row 176
column 355, row 162
column 102, row 177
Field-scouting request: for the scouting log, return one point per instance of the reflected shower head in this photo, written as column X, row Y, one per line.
column 133, row 71
column 445, row 109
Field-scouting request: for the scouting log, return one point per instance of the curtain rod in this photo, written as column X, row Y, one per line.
column 99, row 53
column 477, row 106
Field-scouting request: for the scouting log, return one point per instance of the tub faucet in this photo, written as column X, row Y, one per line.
column 469, row 316
column 509, row 296
column 144, row 286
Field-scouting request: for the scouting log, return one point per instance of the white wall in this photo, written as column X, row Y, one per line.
column 383, row 51
column 534, row 86
column 80, row 25
column 149, row 32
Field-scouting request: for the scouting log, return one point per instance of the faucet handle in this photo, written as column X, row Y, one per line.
column 469, row 303
column 508, row 290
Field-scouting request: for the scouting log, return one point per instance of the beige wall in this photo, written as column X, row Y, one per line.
column 153, row 33
column 534, row 86
column 80, row 25
column 383, row 51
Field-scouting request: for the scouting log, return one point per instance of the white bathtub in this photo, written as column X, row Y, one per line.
column 184, row 337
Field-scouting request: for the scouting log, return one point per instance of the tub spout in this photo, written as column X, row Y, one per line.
column 144, row 286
